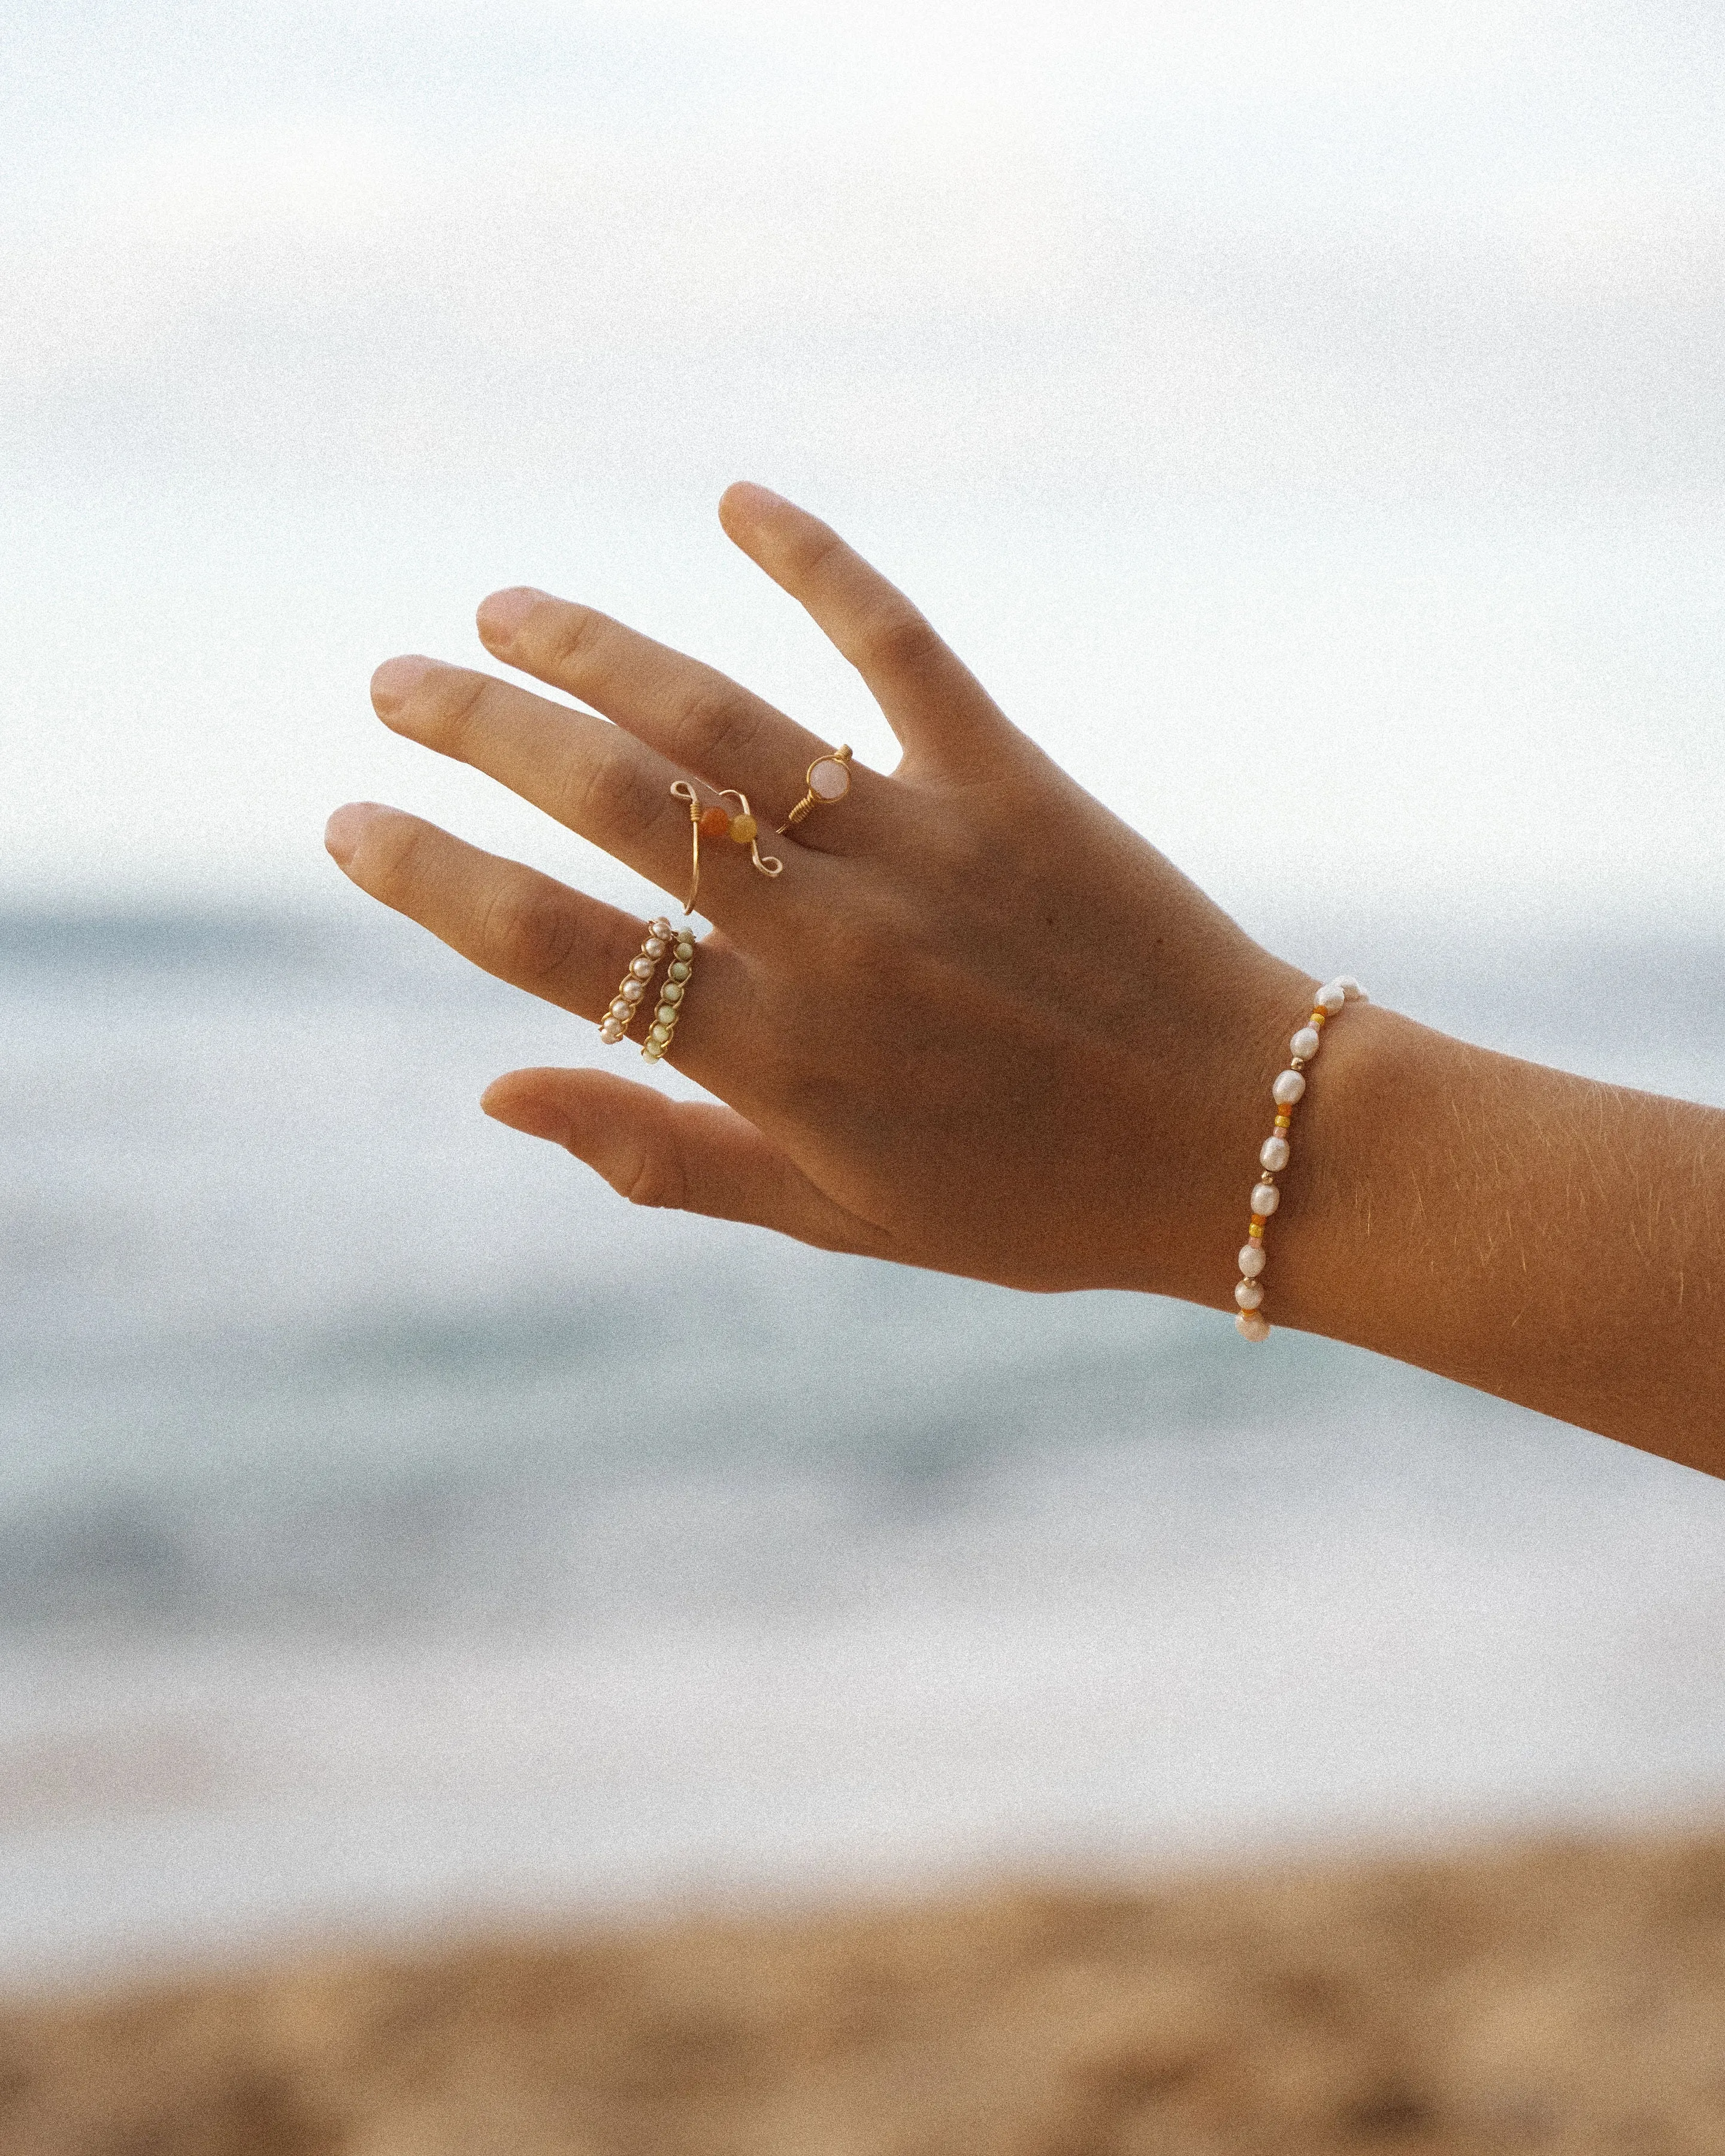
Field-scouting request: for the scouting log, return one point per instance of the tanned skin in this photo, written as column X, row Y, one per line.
column 980, row 1025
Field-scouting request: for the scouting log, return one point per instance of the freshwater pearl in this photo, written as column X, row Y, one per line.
column 631, row 992
column 1330, row 996
column 1253, row 1324
column 659, row 926
column 612, row 1030
column 621, row 1009
column 642, row 969
column 672, row 992
column 1273, row 1154
column 1351, row 987
column 1251, row 1260
column 1266, row 1198
column 1249, row 1295
column 1287, row 1088
column 1305, row 1043
column 654, row 947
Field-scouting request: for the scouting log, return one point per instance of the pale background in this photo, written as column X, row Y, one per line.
column 1308, row 419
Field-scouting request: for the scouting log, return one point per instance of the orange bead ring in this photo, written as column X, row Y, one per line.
column 716, row 822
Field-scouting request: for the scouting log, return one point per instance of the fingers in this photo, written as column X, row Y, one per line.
column 524, row 927
column 933, row 701
column 596, row 779
column 693, row 1156
column 693, row 715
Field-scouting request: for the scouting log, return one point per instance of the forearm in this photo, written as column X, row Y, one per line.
column 1536, row 1235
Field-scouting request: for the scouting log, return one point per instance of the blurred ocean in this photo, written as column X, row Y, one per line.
column 395, row 1527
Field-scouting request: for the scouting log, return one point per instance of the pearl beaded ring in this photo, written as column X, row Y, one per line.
column 1275, row 1153
column 632, row 991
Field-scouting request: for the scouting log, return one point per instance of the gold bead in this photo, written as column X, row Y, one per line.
column 742, row 829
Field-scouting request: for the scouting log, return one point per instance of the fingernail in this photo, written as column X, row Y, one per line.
column 503, row 613
column 345, row 830
column 395, row 680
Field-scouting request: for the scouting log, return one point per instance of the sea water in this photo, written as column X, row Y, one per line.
column 395, row 1527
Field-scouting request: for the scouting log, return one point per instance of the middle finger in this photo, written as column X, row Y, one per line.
column 699, row 717
column 592, row 777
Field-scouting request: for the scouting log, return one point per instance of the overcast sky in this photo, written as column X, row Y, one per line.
column 1307, row 418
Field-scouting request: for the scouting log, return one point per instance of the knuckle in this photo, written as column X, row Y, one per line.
column 460, row 698
column 389, row 854
column 652, row 1177
column 575, row 637
column 714, row 723
column 900, row 640
column 531, row 934
column 606, row 790
column 816, row 548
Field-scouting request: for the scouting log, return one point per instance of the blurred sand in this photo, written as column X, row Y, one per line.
column 1560, row 1998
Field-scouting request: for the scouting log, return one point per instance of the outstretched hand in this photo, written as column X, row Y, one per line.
column 977, row 1024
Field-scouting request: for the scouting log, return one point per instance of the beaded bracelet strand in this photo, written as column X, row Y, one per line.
column 1274, row 1154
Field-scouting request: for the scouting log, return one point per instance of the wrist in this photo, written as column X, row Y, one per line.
column 1344, row 1211
column 1210, row 1114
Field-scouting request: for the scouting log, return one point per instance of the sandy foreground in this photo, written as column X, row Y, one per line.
column 1561, row 1997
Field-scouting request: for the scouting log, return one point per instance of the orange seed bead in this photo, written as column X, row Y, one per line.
column 715, row 823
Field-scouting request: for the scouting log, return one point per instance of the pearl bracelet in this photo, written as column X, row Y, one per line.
column 1274, row 1153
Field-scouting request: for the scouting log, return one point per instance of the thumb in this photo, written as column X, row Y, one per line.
column 694, row 1157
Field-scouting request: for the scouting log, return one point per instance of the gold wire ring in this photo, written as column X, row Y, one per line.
column 679, row 973
column 743, row 829
column 632, row 988
column 685, row 792
column 832, row 786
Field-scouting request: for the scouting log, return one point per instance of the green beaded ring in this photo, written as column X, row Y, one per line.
column 676, row 986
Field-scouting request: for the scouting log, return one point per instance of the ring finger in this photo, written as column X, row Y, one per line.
column 593, row 778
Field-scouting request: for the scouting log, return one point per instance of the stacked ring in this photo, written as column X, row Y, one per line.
column 662, row 942
column 677, row 976
column 632, row 989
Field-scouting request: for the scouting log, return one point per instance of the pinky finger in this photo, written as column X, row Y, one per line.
column 691, row 1156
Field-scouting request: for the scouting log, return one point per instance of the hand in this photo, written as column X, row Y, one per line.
column 977, row 1024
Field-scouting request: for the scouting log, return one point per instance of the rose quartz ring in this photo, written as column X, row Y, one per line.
column 828, row 779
